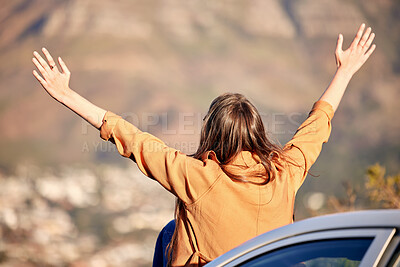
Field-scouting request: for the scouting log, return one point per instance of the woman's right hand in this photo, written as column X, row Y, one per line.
column 55, row 83
column 348, row 63
column 357, row 54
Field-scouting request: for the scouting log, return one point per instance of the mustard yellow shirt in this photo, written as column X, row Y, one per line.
column 219, row 213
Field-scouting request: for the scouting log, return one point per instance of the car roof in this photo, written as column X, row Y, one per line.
column 348, row 220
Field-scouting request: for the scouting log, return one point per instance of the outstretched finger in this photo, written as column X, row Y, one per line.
column 39, row 78
column 358, row 36
column 42, row 62
column 52, row 63
column 339, row 43
column 365, row 37
column 370, row 51
column 64, row 67
column 39, row 66
column 369, row 41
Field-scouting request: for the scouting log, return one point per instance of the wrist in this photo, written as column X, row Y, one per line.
column 344, row 73
column 66, row 96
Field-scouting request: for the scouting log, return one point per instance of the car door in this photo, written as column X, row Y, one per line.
column 348, row 247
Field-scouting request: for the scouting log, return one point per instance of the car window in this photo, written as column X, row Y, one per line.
column 331, row 253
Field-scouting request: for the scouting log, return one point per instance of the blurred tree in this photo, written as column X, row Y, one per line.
column 384, row 191
column 377, row 192
column 348, row 203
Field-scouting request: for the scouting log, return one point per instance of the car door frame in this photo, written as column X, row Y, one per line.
column 381, row 239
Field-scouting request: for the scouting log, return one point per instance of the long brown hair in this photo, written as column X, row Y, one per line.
column 233, row 125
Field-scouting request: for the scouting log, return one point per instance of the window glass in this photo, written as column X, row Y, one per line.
column 326, row 253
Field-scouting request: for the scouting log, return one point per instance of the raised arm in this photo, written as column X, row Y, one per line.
column 348, row 62
column 56, row 84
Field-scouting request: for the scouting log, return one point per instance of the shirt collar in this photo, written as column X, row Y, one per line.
column 244, row 158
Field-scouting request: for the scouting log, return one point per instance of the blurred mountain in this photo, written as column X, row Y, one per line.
column 160, row 63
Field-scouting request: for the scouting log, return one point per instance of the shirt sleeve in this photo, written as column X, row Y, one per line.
column 305, row 146
column 158, row 161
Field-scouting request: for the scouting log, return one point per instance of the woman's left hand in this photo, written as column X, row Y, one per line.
column 357, row 54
